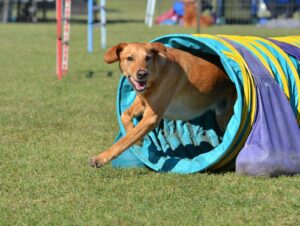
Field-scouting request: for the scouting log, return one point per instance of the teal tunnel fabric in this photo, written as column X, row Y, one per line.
column 198, row 145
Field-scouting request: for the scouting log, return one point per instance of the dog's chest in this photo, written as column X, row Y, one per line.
column 187, row 105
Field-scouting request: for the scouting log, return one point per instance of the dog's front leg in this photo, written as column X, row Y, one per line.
column 135, row 110
column 148, row 123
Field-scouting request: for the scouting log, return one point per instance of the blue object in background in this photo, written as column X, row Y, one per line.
column 90, row 25
column 178, row 8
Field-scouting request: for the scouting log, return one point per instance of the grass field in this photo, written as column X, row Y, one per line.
column 49, row 129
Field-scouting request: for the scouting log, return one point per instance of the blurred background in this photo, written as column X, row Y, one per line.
column 271, row 13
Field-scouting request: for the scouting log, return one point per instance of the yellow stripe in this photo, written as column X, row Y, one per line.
column 297, row 38
column 291, row 66
column 245, row 113
column 292, row 40
column 242, row 41
column 236, row 56
column 249, row 98
column 275, row 62
column 287, row 40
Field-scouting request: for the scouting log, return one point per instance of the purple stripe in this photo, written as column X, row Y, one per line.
column 273, row 145
column 288, row 48
column 259, row 72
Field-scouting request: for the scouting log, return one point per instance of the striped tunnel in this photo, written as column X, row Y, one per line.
column 262, row 137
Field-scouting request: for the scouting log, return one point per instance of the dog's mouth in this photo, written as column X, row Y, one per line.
column 138, row 85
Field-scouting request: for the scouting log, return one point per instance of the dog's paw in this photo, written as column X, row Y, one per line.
column 94, row 162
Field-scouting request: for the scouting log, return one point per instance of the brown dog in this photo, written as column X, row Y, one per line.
column 169, row 83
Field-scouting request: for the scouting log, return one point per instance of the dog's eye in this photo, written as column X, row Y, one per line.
column 148, row 57
column 129, row 58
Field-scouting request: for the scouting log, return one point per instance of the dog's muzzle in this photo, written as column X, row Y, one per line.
column 139, row 83
column 142, row 75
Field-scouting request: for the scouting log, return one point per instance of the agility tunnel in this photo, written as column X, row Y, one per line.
column 263, row 135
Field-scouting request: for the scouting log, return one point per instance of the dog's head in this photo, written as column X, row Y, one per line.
column 139, row 62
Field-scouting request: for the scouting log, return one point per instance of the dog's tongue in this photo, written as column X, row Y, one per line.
column 138, row 85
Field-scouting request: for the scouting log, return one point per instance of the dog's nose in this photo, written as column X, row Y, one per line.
column 142, row 74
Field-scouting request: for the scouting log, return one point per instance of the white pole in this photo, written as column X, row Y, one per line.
column 151, row 13
column 103, row 23
column 147, row 11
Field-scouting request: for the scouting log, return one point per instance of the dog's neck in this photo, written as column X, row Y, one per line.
column 205, row 70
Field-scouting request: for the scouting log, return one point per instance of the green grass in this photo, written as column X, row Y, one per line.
column 49, row 129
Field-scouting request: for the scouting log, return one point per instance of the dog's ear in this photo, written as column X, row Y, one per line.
column 158, row 48
column 113, row 54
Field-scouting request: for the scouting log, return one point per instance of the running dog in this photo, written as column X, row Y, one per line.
column 169, row 83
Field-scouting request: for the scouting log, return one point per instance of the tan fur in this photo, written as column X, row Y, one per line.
column 190, row 15
column 179, row 86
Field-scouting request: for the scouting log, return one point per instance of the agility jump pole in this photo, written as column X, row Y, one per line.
column 103, row 23
column 90, row 25
column 150, row 12
column 59, row 39
column 102, row 11
column 62, row 37
column 65, row 53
